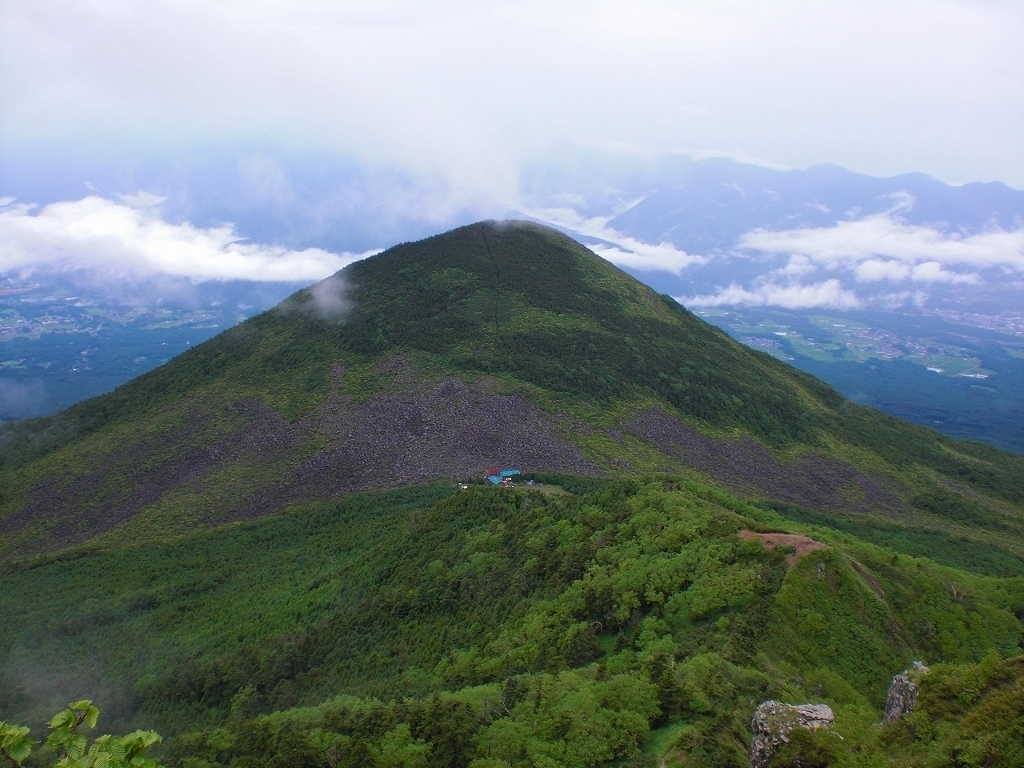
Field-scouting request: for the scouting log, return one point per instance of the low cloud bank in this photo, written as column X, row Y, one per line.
column 830, row 294
column 842, row 266
column 884, row 247
column 130, row 236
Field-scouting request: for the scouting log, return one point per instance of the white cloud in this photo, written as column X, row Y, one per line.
column 622, row 250
column 873, row 249
column 330, row 297
column 932, row 272
column 829, row 294
column 797, row 266
column 18, row 400
column 644, row 257
column 891, row 301
column 141, row 199
column 874, row 270
column 872, row 244
column 131, row 237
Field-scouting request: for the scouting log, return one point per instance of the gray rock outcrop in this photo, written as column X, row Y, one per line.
column 773, row 721
column 903, row 693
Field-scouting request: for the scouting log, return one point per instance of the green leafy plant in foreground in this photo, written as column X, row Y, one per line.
column 73, row 748
column 15, row 744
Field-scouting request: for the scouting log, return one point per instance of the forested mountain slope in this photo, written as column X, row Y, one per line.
column 491, row 344
column 642, row 621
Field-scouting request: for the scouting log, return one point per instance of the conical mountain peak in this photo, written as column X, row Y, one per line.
column 492, row 343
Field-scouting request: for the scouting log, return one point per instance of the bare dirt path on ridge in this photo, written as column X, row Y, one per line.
column 801, row 544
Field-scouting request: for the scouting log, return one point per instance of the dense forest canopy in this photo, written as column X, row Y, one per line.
column 489, row 625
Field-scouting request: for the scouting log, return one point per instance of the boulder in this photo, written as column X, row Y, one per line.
column 773, row 721
column 903, row 693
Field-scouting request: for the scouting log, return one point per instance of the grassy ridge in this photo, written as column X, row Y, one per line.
column 477, row 612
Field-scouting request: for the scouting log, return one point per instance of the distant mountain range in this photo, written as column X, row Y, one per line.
column 712, row 208
column 707, row 208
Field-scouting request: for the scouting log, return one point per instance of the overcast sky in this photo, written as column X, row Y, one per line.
column 467, row 92
column 468, row 89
